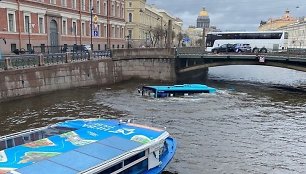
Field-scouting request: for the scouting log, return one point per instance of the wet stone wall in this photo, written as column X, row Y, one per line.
column 37, row 80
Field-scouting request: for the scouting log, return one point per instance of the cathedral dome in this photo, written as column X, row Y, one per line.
column 203, row 13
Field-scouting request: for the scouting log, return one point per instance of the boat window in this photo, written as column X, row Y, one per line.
column 148, row 92
column 112, row 169
column 138, row 168
column 56, row 131
column 134, row 158
column 9, row 143
column 26, row 138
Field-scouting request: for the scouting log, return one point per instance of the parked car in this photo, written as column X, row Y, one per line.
column 242, row 48
column 225, row 48
column 81, row 48
column 86, row 47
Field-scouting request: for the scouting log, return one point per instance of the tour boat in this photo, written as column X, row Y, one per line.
column 175, row 90
column 87, row 146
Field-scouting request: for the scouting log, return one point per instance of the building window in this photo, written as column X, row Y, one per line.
column 52, row 1
column 105, row 31
column 130, row 32
column 130, row 17
column 121, row 33
column 41, row 25
column 74, row 4
column 90, row 5
column 105, row 9
column 74, row 28
column 64, row 3
column 118, row 11
column 27, row 24
column 83, row 5
column 98, row 29
column 130, row 4
column 64, row 27
column 113, row 32
column 98, row 7
column 11, row 22
column 29, row 47
column 42, row 48
column 13, row 47
column 113, row 10
column 83, row 29
column 122, row 12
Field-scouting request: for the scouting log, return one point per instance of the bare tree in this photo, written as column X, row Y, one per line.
column 180, row 37
column 199, row 42
column 173, row 36
column 158, row 34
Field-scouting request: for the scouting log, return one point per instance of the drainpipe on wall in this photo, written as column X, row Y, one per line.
column 80, row 23
column 108, row 24
column 18, row 3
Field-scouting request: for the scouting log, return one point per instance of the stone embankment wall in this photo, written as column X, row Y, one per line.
column 157, row 64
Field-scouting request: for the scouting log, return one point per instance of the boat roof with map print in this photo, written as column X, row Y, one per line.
column 91, row 142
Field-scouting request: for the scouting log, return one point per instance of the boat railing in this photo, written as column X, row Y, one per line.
column 22, row 133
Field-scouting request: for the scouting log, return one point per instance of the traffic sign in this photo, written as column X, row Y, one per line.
column 95, row 33
column 186, row 39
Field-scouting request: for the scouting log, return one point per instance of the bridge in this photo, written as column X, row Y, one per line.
column 190, row 59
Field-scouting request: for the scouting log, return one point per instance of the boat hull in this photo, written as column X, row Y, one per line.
column 165, row 158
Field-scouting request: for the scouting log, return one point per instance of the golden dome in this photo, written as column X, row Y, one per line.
column 203, row 12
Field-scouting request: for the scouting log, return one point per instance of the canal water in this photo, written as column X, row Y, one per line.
column 254, row 123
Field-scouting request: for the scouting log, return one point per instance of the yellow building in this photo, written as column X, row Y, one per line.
column 275, row 24
column 142, row 19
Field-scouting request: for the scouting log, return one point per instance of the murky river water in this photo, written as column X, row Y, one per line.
column 248, row 126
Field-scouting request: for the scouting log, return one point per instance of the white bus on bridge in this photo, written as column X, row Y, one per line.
column 260, row 41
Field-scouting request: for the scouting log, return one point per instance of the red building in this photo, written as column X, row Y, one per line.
column 28, row 23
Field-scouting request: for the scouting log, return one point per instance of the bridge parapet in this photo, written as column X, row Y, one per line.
column 143, row 53
column 34, row 60
column 191, row 50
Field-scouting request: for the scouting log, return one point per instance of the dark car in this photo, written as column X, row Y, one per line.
column 225, row 48
column 81, row 48
column 242, row 48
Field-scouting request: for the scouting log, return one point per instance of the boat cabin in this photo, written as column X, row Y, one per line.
column 89, row 147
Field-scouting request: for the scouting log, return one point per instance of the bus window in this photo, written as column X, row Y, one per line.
column 286, row 35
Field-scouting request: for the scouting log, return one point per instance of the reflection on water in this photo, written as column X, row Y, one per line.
column 245, row 127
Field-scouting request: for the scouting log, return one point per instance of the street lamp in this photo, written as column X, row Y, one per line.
column 29, row 48
column 91, row 12
column 146, row 43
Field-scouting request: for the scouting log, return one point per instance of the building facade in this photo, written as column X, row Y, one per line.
column 275, row 24
column 142, row 19
column 29, row 23
column 296, row 34
column 203, row 20
column 195, row 33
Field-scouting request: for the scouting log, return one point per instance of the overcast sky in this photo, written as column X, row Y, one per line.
column 232, row 14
